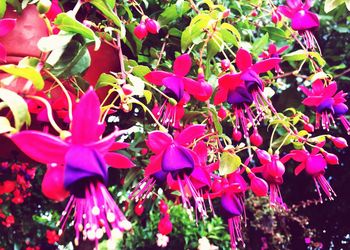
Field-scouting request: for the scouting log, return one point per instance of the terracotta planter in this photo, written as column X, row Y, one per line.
column 22, row 40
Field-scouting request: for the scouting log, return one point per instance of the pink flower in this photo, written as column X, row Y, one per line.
column 274, row 52
column 177, row 86
column 85, row 157
column 6, row 26
column 327, row 103
column 302, row 20
column 246, row 88
column 315, row 165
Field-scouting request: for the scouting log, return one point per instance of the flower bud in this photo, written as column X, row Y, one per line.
column 140, row 31
column 222, row 113
column 258, row 185
column 152, row 26
column 165, row 226
column 225, row 64
column 339, row 142
column 43, row 6
column 236, row 135
column 256, row 138
column 226, row 13
column 331, row 159
column 309, row 127
column 163, row 207
column 139, row 208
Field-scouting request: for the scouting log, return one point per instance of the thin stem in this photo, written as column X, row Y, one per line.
column 162, row 50
column 49, row 112
column 69, row 100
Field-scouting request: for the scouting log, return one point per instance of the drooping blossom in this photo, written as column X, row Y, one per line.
column 245, row 88
column 174, row 162
column 177, row 87
column 274, row 52
column 85, row 157
column 6, row 26
column 327, row 104
column 314, row 164
column 272, row 170
column 231, row 191
column 302, row 20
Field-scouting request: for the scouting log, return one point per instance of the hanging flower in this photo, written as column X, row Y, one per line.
column 302, row 20
column 177, row 86
column 315, row 165
column 85, row 157
column 274, row 52
column 246, row 88
column 327, row 103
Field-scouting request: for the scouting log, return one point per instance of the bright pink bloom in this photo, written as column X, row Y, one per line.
column 140, row 30
column 85, row 157
column 274, row 52
column 315, row 165
column 327, row 103
column 177, row 86
column 302, row 20
column 246, row 88
column 6, row 26
column 272, row 170
column 152, row 26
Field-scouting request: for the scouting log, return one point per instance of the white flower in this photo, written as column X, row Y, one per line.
column 204, row 244
column 162, row 240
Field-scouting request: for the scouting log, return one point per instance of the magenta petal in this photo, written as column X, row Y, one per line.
column 299, row 168
column 313, row 101
column 318, row 87
column 116, row 160
column 158, row 141
column 294, row 4
column 305, row 90
column 243, row 59
column 272, row 49
column 230, row 81
column 41, row 147
column 200, row 89
column 305, row 20
column 281, row 50
column 156, row 77
column 85, row 119
column 118, row 146
column 231, row 204
column 285, row 10
column 154, row 165
column 2, row 53
column 7, row 25
column 189, row 134
column 105, row 144
column 330, row 90
column 200, row 178
column 182, row 65
column 221, row 95
column 202, row 152
column 175, row 87
column 266, row 65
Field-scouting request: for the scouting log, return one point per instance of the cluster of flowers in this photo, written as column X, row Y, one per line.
column 185, row 158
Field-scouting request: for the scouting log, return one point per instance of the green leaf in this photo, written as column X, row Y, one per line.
column 18, row 107
column 140, row 70
column 69, row 24
column 2, row 8
column 233, row 30
column 49, row 43
column 106, row 80
column 298, row 55
column 229, row 163
column 5, row 125
column 26, row 72
column 318, row 58
column 173, row 12
column 215, row 45
column 260, row 44
column 217, row 124
column 330, row 5
column 108, row 12
column 148, row 95
column 138, row 84
column 275, row 34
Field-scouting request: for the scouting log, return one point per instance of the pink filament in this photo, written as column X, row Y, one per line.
column 234, row 225
column 320, row 181
column 276, row 200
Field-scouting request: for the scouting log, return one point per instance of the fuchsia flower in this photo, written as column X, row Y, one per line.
column 302, row 20
column 272, row 170
column 274, row 52
column 315, row 164
column 174, row 162
column 231, row 190
column 327, row 103
column 6, row 26
column 85, row 157
column 177, row 86
column 246, row 88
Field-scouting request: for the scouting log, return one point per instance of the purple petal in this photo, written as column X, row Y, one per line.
column 116, row 160
column 239, row 96
column 189, row 134
column 85, row 119
column 83, row 164
column 243, row 59
column 177, row 160
column 266, row 65
column 231, row 204
column 6, row 26
column 200, row 178
column 156, row 77
column 174, row 87
column 158, row 141
column 41, row 147
column 182, row 65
